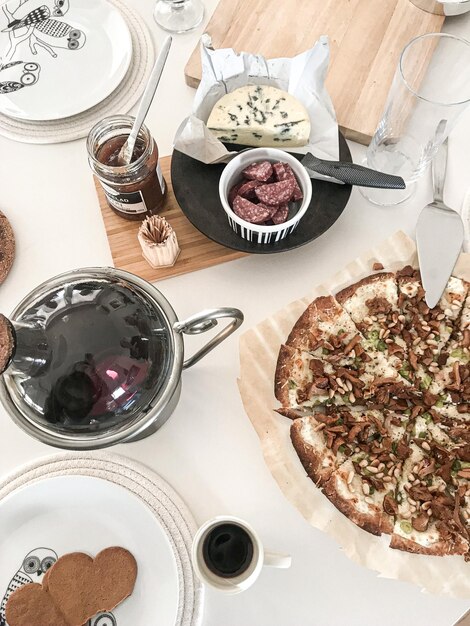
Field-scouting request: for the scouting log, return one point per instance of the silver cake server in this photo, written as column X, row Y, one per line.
column 352, row 174
column 439, row 235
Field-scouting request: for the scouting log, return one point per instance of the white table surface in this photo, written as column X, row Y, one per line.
column 208, row 450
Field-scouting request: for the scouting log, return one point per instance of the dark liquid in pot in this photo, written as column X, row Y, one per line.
column 108, row 357
column 228, row 550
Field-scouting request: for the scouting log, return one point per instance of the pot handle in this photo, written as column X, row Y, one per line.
column 204, row 321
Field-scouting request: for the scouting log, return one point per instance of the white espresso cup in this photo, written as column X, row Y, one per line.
column 244, row 580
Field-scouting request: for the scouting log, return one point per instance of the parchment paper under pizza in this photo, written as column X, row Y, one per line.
column 360, row 395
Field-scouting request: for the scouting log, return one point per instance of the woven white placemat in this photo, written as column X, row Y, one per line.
column 120, row 101
column 152, row 490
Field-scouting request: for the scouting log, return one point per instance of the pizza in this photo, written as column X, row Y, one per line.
column 377, row 386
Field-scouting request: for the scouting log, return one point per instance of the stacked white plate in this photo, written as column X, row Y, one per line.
column 82, row 502
column 64, row 64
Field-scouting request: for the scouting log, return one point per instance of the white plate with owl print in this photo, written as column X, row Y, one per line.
column 59, row 58
column 55, row 516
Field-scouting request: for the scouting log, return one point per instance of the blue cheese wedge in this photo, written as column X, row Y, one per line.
column 260, row 115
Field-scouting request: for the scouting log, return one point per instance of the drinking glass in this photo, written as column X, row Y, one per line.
column 443, row 7
column 430, row 90
column 178, row 16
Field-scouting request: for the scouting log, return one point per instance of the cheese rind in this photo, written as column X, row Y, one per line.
column 260, row 115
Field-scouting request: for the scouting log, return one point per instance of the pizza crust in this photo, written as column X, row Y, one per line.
column 318, row 461
column 324, row 310
column 282, row 375
column 292, row 414
column 373, row 279
column 369, row 517
column 348, row 507
column 440, row 548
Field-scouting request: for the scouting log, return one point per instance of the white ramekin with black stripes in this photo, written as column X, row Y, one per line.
column 232, row 175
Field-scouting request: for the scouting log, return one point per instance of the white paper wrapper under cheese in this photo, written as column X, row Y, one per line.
column 259, row 348
column 223, row 71
column 158, row 242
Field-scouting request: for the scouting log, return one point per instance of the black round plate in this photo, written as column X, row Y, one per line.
column 196, row 188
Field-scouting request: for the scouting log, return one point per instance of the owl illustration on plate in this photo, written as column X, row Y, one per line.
column 102, row 619
column 52, row 34
column 35, row 565
column 31, row 12
column 32, row 570
column 18, row 75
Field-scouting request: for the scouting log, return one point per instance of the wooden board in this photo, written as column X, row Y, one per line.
column 197, row 251
column 366, row 38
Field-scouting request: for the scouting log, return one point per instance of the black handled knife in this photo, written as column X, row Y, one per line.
column 352, row 174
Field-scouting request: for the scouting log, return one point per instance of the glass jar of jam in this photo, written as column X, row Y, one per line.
column 133, row 191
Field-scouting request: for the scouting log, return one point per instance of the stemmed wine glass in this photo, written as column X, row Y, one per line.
column 178, row 16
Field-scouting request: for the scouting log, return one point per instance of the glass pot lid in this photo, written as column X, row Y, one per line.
column 92, row 352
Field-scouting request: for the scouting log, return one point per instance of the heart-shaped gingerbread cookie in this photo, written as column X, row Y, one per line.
column 32, row 604
column 7, row 247
column 82, row 587
column 75, row 589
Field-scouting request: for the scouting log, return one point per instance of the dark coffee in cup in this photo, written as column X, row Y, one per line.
column 228, row 550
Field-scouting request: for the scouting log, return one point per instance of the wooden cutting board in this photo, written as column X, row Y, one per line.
column 366, row 38
column 197, row 251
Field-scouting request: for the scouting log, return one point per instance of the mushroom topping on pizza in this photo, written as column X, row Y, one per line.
column 378, row 388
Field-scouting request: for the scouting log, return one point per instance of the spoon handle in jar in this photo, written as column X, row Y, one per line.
column 149, row 94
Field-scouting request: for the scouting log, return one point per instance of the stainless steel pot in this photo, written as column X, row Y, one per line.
column 443, row 7
column 145, row 348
